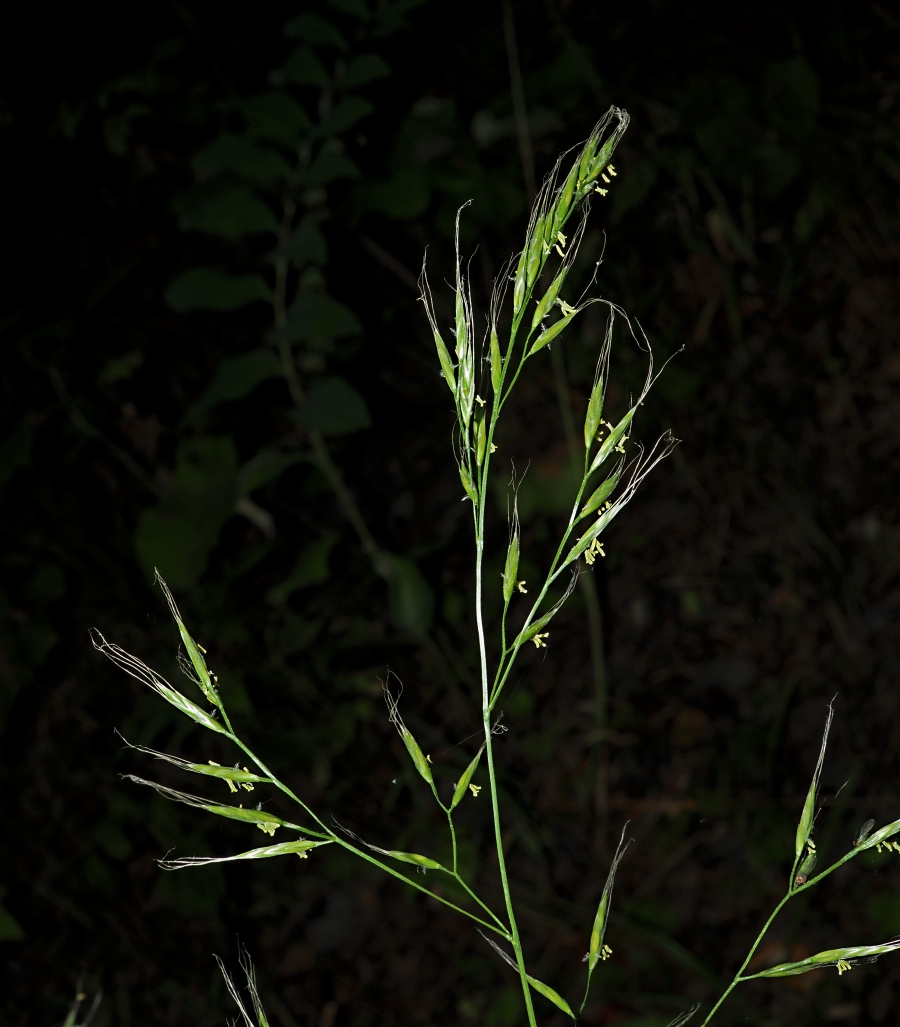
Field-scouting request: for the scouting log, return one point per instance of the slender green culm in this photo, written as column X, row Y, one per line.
column 482, row 380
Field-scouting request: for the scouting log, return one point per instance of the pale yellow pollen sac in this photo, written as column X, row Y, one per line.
column 605, row 179
column 520, row 585
column 247, row 786
column 268, row 829
column 230, row 783
column 566, row 308
column 303, row 855
column 538, row 640
column 560, row 238
column 559, row 251
column 605, row 952
column 475, row 789
column 200, row 647
column 428, row 758
column 493, row 448
column 602, row 192
column 213, row 763
column 593, row 551
column 479, row 401
column 843, row 965
column 611, row 170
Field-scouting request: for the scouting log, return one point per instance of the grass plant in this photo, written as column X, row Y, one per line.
column 530, row 310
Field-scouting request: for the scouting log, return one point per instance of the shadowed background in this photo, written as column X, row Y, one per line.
column 754, row 222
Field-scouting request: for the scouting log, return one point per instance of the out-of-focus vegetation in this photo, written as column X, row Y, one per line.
column 754, row 219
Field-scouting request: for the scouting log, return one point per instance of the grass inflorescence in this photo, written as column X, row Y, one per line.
column 481, row 373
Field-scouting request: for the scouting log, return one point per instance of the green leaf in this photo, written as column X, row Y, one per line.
column 333, row 407
column 413, row 857
column 612, row 440
column 403, row 196
column 411, row 598
column 178, row 534
column 807, row 817
column 880, row 835
column 549, row 993
column 345, row 114
column 465, row 780
column 10, row 928
column 120, row 368
column 275, row 116
column 307, row 242
column 355, row 7
column 594, row 412
column 242, row 156
column 327, row 167
column 313, row 29
column 600, row 495
column 266, row 466
column 830, row 957
column 237, row 376
column 299, row 848
column 302, row 68
column 314, row 315
column 311, row 569
column 363, row 69
column 234, row 213
column 512, row 567
column 204, row 288
column 557, row 328
column 203, row 678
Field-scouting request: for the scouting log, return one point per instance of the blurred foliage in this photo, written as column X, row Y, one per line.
column 153, row 187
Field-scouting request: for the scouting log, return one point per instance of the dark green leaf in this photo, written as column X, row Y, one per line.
column 120, row 368
column 178, row 534
column 328, row 166
column 313, row 315
column 242, row 156
column 334, row 407
column 204, row 288
column 412, row 601
column 307, row 242
column 313, row 29
column 356, row 7
column 364, row 69
column 275, row 116
column 236, row 377
column 310, row 569
column 303, row 68
column 233, row 213
column 404, row 195
column 345, row 114
column 266, row 466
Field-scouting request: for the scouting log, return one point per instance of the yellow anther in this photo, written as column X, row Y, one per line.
column 611, row 170
column 213, row 763
column 493, row 448
column 475, row 789
column 566, row 308
column 602, row 192
column 605, row 179
column 520, row 585
column 479, row 401
column 539, row 640
column 559, row 251
column 428, row 758
column 230, row 783
column 560, row 238
column 843, row 965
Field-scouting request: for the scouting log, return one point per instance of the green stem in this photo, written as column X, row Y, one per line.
column 738, row 979
column 488, row 737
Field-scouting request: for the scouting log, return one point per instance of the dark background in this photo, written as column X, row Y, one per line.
column 754, row 222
